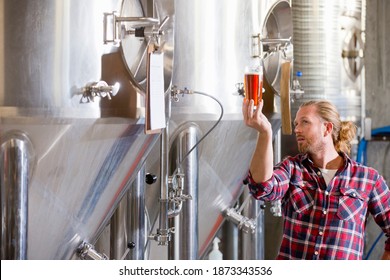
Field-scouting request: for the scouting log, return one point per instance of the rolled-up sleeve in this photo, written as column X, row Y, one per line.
column 276, row 187
column 260, row 190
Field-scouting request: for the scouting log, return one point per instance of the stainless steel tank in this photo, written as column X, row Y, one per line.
column 213, row 44
column 328, row 50
column 56, row 83
column 57, row 79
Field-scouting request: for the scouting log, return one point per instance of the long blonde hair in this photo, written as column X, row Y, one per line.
column 343, row 131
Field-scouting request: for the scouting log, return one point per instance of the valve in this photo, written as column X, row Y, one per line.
column 176, row 195
column 163, row 236
column 175, row 93
column 276, row 208
column 98, row 89
column 87, row 251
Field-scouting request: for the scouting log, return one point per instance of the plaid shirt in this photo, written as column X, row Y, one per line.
column 325, row 221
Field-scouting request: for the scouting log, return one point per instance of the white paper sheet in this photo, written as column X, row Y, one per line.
column 156, row 93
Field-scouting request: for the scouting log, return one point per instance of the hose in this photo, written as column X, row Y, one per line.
column 209, row 131
column 197, row 144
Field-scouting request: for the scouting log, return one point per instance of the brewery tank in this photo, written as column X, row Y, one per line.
column 69, row 107
column 213, row 44
column 329, row 38
column 328, row 50
column 85, row 148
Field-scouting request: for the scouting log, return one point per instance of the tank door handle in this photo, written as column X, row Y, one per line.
column 112, row 24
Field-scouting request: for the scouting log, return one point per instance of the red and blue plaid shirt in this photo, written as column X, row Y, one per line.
column 325, row 221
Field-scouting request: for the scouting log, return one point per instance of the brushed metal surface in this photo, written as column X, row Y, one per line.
column 51, row 50
column 84, row 163
column 212, row 48
column 319, row 31
column 16, row 163
column 83, row 168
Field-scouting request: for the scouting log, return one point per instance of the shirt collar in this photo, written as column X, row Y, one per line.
column 305, row 158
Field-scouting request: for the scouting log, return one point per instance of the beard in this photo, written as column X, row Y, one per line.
column 309, row 147
column 303, row 148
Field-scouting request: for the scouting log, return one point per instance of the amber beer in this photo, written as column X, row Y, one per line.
column 253, row 84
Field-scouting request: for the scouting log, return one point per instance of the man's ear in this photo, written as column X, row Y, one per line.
column 328, row 128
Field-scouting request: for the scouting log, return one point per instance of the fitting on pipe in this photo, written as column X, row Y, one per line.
column 243, row 223
column 87, row 251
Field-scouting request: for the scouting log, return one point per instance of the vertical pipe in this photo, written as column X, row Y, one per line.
column 186, row 225
column 252, row 245
column 258, row 236
column 276, row 206
column 118, row 227
column 174, row 245
column 128, row 223
column 163, row 230
column 189, row 218
column 229, row 241
column 15, row 167
column 136, row 202
column 244, row 239
column 278, row 146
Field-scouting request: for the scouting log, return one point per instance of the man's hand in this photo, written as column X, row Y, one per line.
column 261, row 166
column 254, row 118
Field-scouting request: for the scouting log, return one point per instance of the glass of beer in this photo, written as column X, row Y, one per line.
column 253, row 84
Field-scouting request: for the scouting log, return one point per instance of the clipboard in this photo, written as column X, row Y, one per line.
column 155, row 118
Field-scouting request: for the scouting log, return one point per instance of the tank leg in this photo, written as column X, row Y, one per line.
column 15, row 168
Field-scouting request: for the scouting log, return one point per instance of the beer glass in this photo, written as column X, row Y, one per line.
column 253, row 83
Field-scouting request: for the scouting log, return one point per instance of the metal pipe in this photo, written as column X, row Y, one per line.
column 136, row 229
column 276, row 206
column 163, row 232
column 252, row 243
column 174, row 245
column 189, row 218
column 229, row 241
column 15, row 166
column 266, row 41
column 118, row 230
column 257, row 210
column 128, row 223
column 87, row 251
column 187, row 223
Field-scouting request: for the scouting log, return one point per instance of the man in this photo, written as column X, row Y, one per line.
column 325, row 194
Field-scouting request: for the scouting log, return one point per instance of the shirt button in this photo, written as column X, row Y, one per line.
column 320, row 233
column 326, row 193
column 324, row 212
column 318, row 173
column 316, row 253
column 354, row 194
